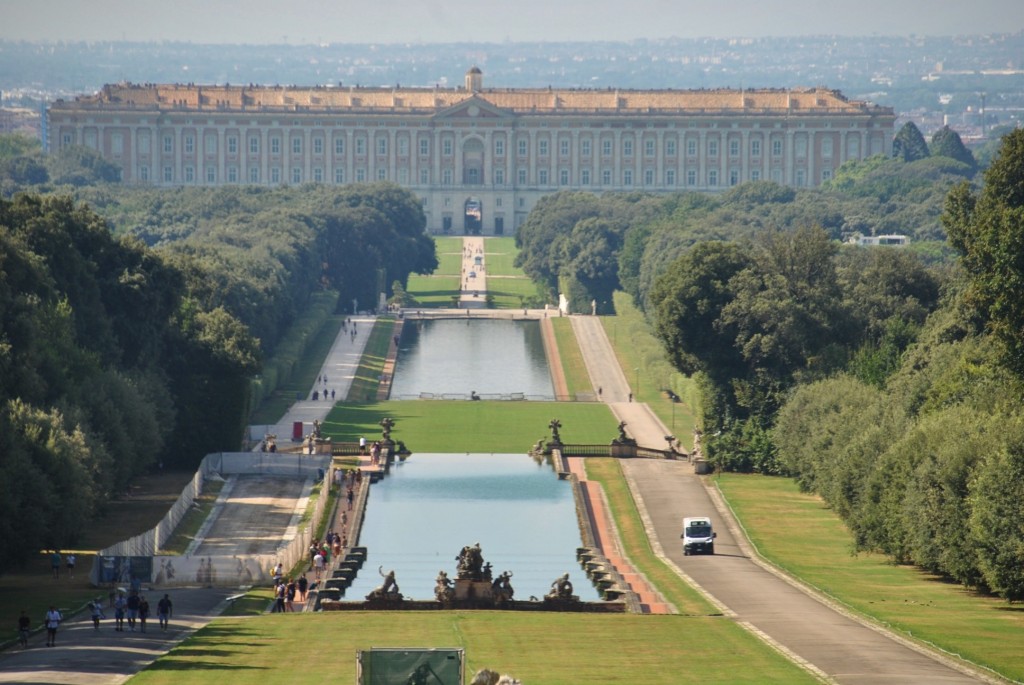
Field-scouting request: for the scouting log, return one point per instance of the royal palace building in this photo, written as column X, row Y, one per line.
column 479, row 158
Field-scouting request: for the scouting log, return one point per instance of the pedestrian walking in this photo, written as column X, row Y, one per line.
column 164, row 611
column 350, row 496
column 53, row 619
column 24, row 626
column 303, row 586
column 96, row 610
column 71, row 565
column 55, row 560
column 133, row 610
column 143, row 612
column 120, row 607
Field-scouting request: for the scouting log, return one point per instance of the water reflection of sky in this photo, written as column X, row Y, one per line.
column 429, row 507
column 457, row 356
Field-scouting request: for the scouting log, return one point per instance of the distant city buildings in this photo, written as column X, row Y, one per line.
column 479, row 158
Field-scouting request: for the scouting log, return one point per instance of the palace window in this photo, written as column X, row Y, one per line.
column 446, row 177
column 339, row 175
column 403, row 147
column 755, row 174
column 523, row 147
column 648, row 177
column 713, row 147
column 691, row 177
column 606, row 177
column 563, row 177
column 144, row 173
column 801, row 178
column 424, row 147
column 713, row 178
column 542, row 147
column 318, row 175
column 232, row 174
column 275, row 145
column 776, row 148
column 446, row 147
column 499, row 177
column 499, row 147
column 670, row 177
column 190, row 145
column 521, row 177
column 318, row 146
column 627, row 177
column 254, row 145
column 606, row 147
column 403, row 176
column 382, row 146
column 755, row 147
column 648, row 148
column 585, row 177
column 360, row 175
column 627, row 147
column 826, row 175
column 734, row 177
column 254, row 174
column 275, row 174
column 670, row 147
column 542, row 177
column 232, row 145
column 190, row 174
column 361, row 146
column 168, row 174
column 691, row 148
column 585, row 147
column 296, row 145
column 424, row 177
column 210, row 143
column 734, row 148
column 382, row 174
column 211, row 175
column 563, row 147
column 296, row 175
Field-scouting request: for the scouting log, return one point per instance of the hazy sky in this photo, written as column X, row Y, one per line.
column 437, row 21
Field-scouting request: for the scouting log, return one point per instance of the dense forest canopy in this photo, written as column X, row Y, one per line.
column 121, row 349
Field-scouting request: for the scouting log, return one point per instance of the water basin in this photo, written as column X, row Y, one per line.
column 421, row 515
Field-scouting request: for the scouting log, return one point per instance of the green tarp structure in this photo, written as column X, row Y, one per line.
column 411, row 667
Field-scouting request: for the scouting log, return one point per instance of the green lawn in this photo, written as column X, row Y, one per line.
column 575, row 369
column 538, row 648
column 799, row 533
column 371, row 365
column 433, row 291
column 465, row 426
column 508, row 284
column 499, row 254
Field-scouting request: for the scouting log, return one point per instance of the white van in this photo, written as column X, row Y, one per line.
column 697, row 536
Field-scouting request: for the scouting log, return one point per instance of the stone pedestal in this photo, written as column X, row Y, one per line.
column 472, row 590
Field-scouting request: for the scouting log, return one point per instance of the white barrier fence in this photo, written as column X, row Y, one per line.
column 138, row 556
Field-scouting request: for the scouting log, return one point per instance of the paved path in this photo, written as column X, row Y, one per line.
column 84, row 656
column 474, row 275
column 339, row 368
column 827, row 640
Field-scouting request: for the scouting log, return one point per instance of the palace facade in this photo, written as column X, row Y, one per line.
column 478, row 158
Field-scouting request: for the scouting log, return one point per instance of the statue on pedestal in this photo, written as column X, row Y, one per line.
column 555, row 424
column 386, row 424
column 388, row 590
column 501, row 588
column 561, row 588
column 444, row 590
column 471, row 563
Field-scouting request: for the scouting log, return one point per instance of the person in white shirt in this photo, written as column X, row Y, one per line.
column 53, row 619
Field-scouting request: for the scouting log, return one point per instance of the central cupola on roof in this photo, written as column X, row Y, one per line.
column 474, row 80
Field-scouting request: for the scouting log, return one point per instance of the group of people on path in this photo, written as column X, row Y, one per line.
column 134, row 607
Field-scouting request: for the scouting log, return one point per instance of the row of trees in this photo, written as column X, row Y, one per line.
column 116, row 355
column 849, row 372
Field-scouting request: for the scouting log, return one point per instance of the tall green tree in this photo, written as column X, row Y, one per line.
column 909, row 144
column 987, row 228
column 947, row 143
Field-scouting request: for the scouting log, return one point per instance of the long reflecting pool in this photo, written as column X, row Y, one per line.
column 421, row 515
column 460, row 356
